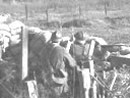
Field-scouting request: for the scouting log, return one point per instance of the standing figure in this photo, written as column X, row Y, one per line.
column 79, row 50
column 56, row 62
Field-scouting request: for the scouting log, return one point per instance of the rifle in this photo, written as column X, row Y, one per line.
column 112, row 48
column 101, row 82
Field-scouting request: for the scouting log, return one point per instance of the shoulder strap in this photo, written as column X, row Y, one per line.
column 86, row 49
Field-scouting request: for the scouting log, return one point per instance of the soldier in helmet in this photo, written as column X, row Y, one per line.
column 58, row 60
column 79, row 51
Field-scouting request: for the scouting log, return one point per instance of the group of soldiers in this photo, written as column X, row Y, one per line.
column 66, row 66
column 68, row 71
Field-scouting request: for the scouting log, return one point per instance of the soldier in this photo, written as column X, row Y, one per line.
column 79, row 50
column 58, row 61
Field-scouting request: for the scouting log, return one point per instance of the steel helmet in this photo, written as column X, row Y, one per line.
column 56, row 36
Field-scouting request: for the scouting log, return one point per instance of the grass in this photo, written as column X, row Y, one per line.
column 114, row 29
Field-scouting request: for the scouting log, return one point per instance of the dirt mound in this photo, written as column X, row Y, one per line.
column 76, row 23
column 123, row 21
column 52, row 24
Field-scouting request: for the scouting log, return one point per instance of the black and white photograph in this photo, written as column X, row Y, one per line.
column 64, row 48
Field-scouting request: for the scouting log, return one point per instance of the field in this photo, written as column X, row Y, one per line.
column 113, row 27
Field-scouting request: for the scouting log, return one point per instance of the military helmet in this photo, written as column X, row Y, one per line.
column 56, row 36
column 79, row 35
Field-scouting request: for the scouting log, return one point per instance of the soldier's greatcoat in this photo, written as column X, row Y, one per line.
column 55, row 58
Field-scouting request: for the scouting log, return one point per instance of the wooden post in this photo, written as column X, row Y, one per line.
column 26, row 11
column 32, row 88
column 105, row 7
column 47, row 15
column 80, row 11
column 91, row 64
column 74, row 70
column 1, row 53
column 119, row 3
column 61, row 29
column 24, row 53
column 86, row 83
column 104, row 77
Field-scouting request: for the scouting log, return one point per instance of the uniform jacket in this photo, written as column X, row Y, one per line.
column 57, row 58
column 80, row 52
column 60, row 59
